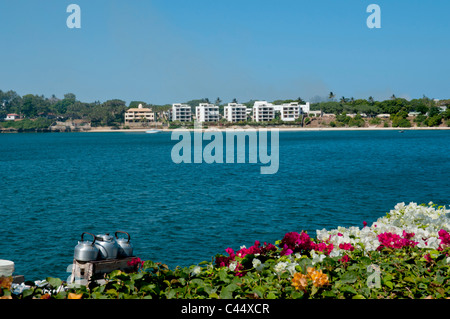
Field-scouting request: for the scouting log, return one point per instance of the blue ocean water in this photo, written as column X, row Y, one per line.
column 54, row 186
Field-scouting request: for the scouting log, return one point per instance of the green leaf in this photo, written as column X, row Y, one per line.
column 197, row 282
column 223, row 275
column 259, row 291
column 214, row 295
column 171, row 293
column 136, row 276
column 271, row 295
column 347, row 288
column 328, row 293
column 54, row 282
column 297, row 294
column 349, row 277
column 27, row 292
column 409, row 279
column 227, row 292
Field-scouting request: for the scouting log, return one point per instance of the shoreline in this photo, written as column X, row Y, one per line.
column 286, row 129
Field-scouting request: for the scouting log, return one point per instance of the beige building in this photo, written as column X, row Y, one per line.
column 139, row 114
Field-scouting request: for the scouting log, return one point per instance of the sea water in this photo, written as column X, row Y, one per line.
column 55, row 186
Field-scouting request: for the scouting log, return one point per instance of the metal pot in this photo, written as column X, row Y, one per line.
column 86, row 250
column 125, row 247
column 107, row 246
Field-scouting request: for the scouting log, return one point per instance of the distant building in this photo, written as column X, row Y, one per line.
column 291, row 111
column 12, row 117
column 139, row 114
column 206, row 112
column 181, row 112
column 234, row 112
column 305, row 108
column 263, row 111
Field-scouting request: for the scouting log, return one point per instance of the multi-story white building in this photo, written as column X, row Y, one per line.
column 235, row 112
column 206, row 112
column 263, row 111
column 139, row 114
column 304, row 108
column 181, row 112
column 289, row 111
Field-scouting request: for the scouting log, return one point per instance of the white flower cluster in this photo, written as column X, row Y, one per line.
column 424, row 221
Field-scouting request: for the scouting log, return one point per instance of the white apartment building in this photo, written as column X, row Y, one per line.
column 181, row 112
column 139, row 114
column 235, row 112
column 291, row 111
column 205, row 112
column 288, row 112
column 263, row 111
column 305, row 108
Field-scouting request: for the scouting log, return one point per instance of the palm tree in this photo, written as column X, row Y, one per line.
column 300, row 100
column 218, row 101
column 393, row 97
column 331, row 95
column 370, row 99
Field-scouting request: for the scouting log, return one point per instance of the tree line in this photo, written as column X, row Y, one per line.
column 111, row 112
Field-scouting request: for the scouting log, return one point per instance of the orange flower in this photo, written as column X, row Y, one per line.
column 300, row 281
column 46, row 296
column 310, row 271
column 318, row 278
column 74, row 296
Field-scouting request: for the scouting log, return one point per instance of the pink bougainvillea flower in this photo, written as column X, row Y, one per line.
column 344, row 259
column 323, row 247
column 391, row 240
column 444, row 236
column 136, row 261
column 286, row 251
column 346, row 246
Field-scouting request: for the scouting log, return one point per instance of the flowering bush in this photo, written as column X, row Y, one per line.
column 405, row 254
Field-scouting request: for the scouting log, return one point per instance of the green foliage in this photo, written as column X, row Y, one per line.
column 434, row 120
column 403, row 273
column 345, row 120
column 28, row 124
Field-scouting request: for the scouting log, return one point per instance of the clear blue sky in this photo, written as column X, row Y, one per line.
column 169, row 51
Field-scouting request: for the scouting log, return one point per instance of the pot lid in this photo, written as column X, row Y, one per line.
column 104, row 237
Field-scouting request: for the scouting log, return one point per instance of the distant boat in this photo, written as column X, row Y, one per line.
column 153, row 131
column 401, row 131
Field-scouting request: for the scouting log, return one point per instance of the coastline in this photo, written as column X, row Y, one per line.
column 286, row 129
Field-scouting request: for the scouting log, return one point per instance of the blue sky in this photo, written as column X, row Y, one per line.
column 169, row 51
